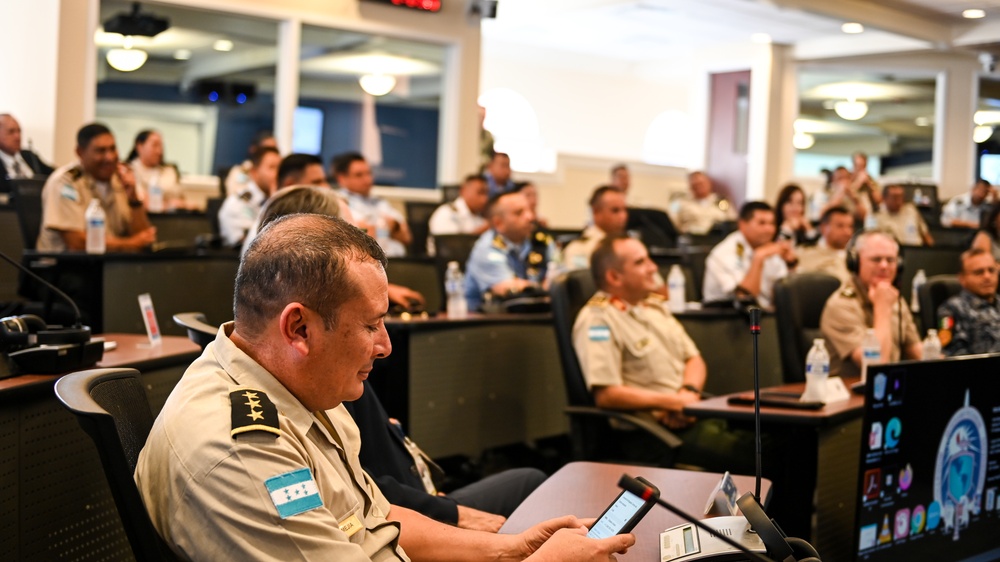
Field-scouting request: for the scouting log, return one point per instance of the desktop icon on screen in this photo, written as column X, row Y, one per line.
column 867, row 537
column 875, row 436
column 917, row 520
column 902, row 529
column 878, row 390
column 873, row 483
column 905, row 478
column 892, row 431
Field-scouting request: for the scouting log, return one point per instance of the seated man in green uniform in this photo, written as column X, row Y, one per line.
column 254, row 457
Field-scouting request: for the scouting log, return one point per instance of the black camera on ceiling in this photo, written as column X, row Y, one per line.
column 136, row 23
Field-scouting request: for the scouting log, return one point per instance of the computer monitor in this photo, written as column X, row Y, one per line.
column 929, row 470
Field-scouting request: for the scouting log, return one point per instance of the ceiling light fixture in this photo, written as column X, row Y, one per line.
column 761, row 38
column 182, row 54
column 922, row 121
column 126, row 59
column 973, row 14
column 224, row 45
column 851, row 109
column 852, row 27
column 982, row 133
column 377, row 84
column 803, row 141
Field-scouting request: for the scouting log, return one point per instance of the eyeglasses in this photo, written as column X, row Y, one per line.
column 889, row 260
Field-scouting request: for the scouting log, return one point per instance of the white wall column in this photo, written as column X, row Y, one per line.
column 773, row 108
column 286, row 88
column 956, row 101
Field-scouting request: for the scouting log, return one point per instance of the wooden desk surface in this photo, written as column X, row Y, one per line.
column 418, row 321
column 133, row 350
column 585, row 489
column 719, row 407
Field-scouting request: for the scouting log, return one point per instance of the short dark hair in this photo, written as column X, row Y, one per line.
column 259, row 139
column 474, row 177
column 984, row 181
column 495, row 154
column 342, row 162
column 604, row 259
column 89, row 132
column 837, row 210
column 261, row 152
column 299, row 258
column 888, row 186
column 751, row 207
column 310, row 199
column 140, row 138
column 519, row 186
column 294, row 166
column 494, row 200
column 968, row 255
column 616, row 167
column 598, row 194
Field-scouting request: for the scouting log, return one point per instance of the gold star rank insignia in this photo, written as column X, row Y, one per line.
column 252, row 410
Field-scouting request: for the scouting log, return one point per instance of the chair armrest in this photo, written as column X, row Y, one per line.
column 654, row 429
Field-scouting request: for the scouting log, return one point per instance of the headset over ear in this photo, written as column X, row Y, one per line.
column 854, row 262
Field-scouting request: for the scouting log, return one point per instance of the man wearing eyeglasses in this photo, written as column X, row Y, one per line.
column 970, row 320
column 869, row 300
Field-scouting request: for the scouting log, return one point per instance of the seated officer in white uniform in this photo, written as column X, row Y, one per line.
column 70, row 189
column 239, row 211
column 507, row 259
column 253, row 456
column 464, row 215
column 967, row 210
column 749, row 261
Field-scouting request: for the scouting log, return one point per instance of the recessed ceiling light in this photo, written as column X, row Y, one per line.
column 852, row 27
column 223, row 45
column 762, row 38
column 829, row 104
column 973, row 14
column 182, row 54
column 922, row 121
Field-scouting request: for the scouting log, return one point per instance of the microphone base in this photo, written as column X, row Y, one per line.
column 57, row 359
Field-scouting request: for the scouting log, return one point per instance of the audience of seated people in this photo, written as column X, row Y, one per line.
column 239, row 174
column 902, row 219
column 15, row 162
column 969, row 209
column 844, row 191
column 747, row 263
column 98, row 174
column 507, row 259
column 146, row 161
column 970, row 320
column 704, row 209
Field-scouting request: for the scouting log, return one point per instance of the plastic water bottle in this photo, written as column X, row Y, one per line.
column 918, row 280
column 918, row 196
column 454, row 286
column 676, row 289
column 932, row 345
column 552, row 270
column 816, row 204
column 871, row 352
column 871, row 223
column 96, row 220
column 817, row 371
column 155, row 203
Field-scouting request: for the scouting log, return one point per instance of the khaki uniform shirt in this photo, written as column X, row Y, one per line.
column 823, row 259
column 907, row 225
column 641, row 346
column 576, row 254
column 847, row 316
column 65, row 198
column 698, row 216
column 212, row 496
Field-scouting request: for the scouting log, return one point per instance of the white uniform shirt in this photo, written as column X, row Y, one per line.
column 374, row 211
column 961, row 208
column 727, row 264
column 452, row 218
column 21, row 171
column 238, row 213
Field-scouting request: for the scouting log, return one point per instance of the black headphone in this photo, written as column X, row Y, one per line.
column 28, row 330
column 854, row 261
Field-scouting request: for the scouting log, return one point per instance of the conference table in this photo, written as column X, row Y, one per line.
column 585, row 489
column 821, row 461
column 55, row 503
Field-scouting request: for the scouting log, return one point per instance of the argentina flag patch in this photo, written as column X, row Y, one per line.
column 599, row 333
column 293, row 492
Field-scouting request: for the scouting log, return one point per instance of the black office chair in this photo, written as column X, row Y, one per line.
column 418, row 215
column 932, row 294
column 798, row 304
column 198, row 329
column 111, row 407
column 590, row 429
column 27, row 198
column 421, row 275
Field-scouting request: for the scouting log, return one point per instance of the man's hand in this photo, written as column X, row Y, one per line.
column 469, row 518
column 770, row 249
column 883, row 295
column 404, row 296
column 143, row 238
column 127, row 178
column 565, row 538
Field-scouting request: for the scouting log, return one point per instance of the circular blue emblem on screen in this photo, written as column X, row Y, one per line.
column 960, row 472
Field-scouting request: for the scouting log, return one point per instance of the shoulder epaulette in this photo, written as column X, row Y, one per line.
column 848, row 292
column 75, row 173
column 655, row 298
column 498, row 243
column 599, row 300
column 253, row 411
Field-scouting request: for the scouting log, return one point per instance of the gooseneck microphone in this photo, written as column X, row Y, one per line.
column 76, row 310
column 755, row 334
column 645, row 492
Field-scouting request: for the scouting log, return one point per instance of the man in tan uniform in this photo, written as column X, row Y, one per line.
column 869, row 300
column 704, row 209
column 607, row 207
column 902, row 219
column 254, row 457
column 69, row 190
column 829, row 255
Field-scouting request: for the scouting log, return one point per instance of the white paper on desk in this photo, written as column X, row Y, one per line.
column 836, row 390
column 149, row 318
